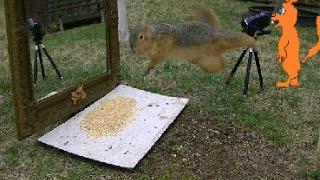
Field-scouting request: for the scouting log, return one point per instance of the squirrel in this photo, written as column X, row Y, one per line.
column 201, row 41
column 289, row 44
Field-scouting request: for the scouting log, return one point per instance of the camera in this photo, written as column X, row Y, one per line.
column 256, row 24
column 36, row 30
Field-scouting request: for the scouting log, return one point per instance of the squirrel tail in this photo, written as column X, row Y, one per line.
column 205, row 15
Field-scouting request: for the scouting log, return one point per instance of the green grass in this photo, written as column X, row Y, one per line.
column 287, row 118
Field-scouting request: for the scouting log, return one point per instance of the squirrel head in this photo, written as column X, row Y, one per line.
column 288, row 18
column 140, row 38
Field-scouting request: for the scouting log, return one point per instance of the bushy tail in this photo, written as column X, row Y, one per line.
column 205, row 15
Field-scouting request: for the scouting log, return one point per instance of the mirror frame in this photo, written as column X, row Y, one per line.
column 33, row 115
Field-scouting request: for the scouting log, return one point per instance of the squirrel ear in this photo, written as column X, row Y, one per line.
column 144, row 27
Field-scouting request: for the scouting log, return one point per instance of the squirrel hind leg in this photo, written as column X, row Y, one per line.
column 211, row 64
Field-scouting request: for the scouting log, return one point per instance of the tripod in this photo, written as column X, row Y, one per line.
column 39, row 46
column 252, row 52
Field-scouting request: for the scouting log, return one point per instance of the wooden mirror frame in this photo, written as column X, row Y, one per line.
column 33, row 115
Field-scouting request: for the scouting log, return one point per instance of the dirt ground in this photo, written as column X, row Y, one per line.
column 214, row 150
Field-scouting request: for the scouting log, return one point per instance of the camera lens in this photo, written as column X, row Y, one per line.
column 30, row 23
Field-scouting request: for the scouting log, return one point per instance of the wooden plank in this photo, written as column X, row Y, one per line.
column 66, row 4
column 20, row 64
column 75, row 11
column 72, row 6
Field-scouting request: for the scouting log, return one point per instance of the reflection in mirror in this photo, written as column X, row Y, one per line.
column 74, row 37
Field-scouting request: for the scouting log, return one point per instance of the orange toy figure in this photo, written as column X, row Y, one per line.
column 316, row 48
column 289, row 43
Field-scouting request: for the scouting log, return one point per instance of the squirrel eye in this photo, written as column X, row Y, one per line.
column 282, row 10
column 141, row 37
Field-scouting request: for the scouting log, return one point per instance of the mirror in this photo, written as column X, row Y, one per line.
column 74, row 38
column 33, row 114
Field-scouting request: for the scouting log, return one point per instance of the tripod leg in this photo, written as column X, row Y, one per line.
column 259, row 68
column 236, row 66
column 41, row 63
column 246, row 83
column 51, row 61
column 35, row 71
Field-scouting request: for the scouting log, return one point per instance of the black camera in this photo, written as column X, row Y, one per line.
column 257, row 24
column 36, row 30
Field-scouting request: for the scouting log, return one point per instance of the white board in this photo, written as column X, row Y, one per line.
column 153, row 116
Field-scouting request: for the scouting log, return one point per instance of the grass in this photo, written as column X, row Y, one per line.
column 4, row 73
column 287, row 119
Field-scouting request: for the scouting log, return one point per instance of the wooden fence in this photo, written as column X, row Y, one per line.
column 57, row 13
column 303, row 2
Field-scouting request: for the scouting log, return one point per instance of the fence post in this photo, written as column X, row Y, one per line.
column 123, row 22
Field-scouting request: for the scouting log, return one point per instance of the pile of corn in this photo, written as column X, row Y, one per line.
column 109, row 117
